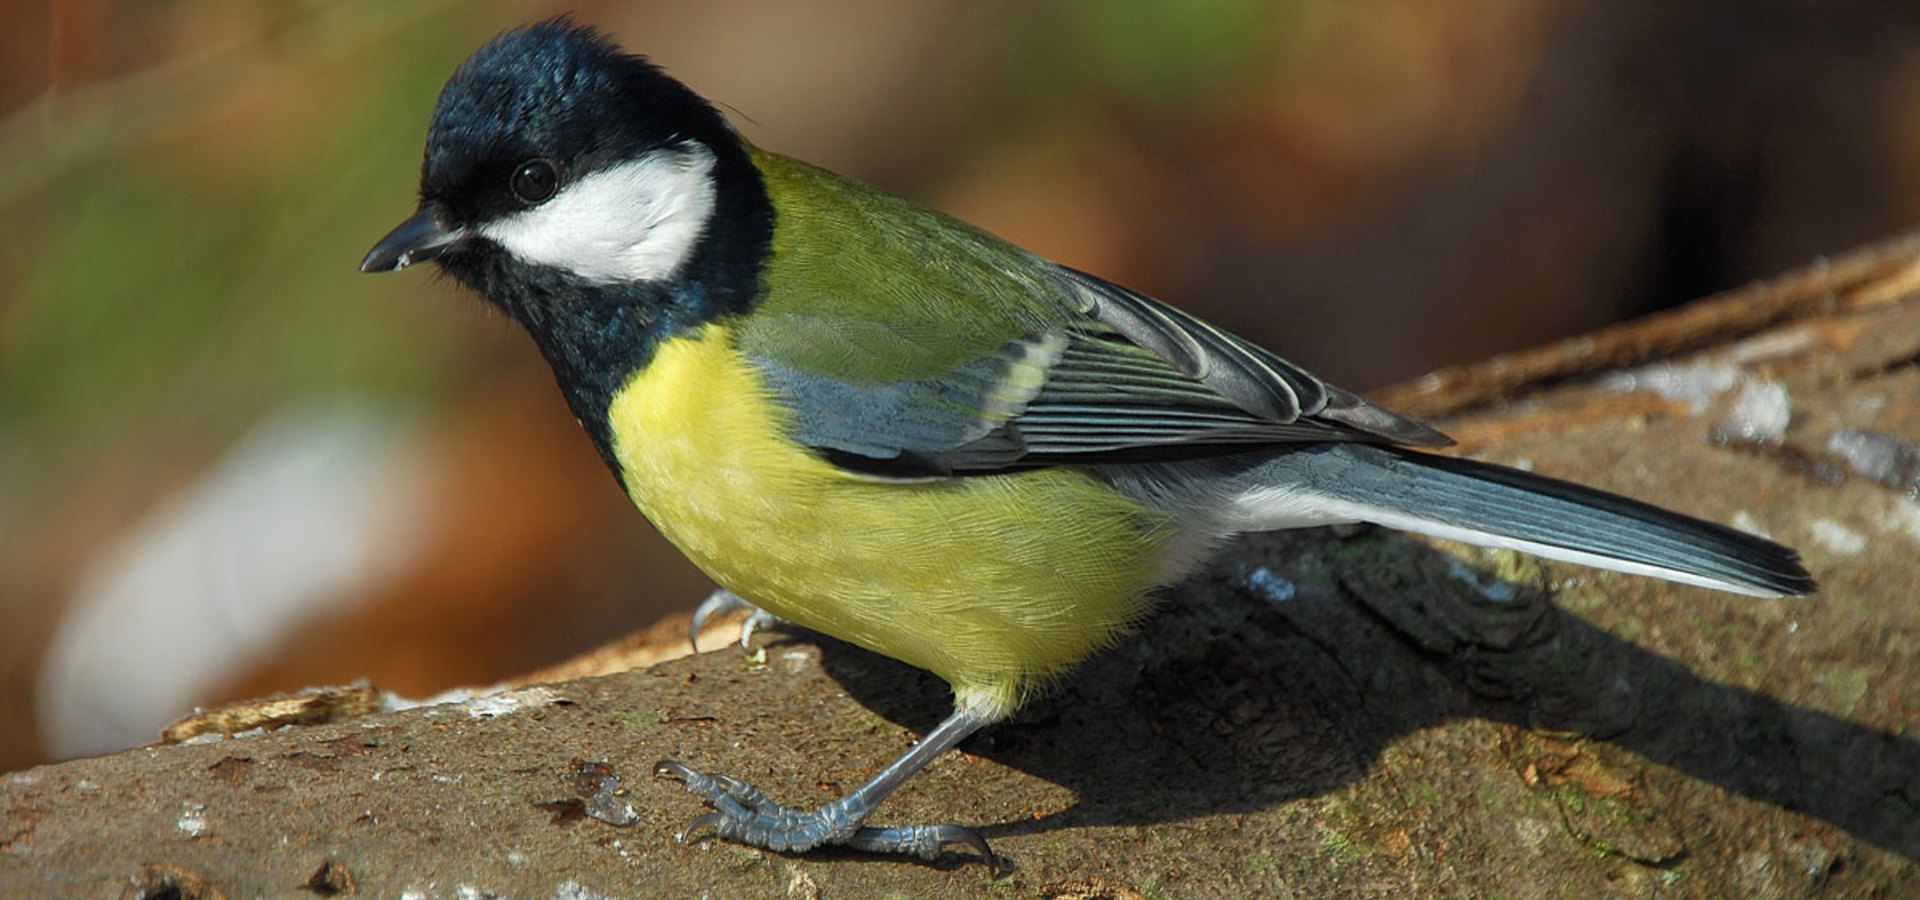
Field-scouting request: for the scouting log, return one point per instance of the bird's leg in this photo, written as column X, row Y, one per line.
column 742, row 813
column 721, row 602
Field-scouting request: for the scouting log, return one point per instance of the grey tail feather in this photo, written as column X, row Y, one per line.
column 1497, row 506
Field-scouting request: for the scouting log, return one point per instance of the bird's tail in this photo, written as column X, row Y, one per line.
column 1495, row 506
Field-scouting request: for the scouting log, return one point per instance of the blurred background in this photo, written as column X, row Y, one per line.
column 230, row 464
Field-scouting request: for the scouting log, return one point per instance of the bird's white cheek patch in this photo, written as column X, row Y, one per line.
column 637, row 221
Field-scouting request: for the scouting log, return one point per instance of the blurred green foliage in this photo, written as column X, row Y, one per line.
column 185, row 241
column 1149, row 54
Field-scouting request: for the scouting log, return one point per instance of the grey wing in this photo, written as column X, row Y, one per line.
column 1130, row 380
column 1148, row 361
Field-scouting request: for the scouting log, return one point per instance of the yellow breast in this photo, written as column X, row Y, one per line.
column 992, row 582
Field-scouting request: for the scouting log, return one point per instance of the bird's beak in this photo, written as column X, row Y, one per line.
column 420, row 238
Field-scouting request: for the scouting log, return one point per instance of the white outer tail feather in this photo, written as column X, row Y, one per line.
column 1271, row 508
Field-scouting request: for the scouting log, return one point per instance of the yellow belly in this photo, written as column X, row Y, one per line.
column 995, row 583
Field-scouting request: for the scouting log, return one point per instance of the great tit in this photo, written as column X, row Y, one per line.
column 891, row 427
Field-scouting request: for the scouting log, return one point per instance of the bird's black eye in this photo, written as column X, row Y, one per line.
column 534, row 181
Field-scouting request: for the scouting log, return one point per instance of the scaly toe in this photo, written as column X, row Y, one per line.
column 924, row 841
column 718, row 789
column 674, row 769
column 711, row 820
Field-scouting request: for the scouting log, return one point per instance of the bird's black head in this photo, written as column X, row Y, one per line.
column 550, row 148
column 540, row 108
column 598, row 201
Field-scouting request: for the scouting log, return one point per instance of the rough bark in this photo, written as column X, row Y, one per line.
column 1352, row 713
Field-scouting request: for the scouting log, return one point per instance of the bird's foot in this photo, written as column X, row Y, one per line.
column 743, row 814
column 721, row 602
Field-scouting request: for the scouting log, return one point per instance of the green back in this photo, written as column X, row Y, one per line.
column 868, row 288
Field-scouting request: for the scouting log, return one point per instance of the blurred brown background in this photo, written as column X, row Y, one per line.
column 229, row 464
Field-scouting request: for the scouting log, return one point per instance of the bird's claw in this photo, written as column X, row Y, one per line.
column 743, row 813
column 721, row 602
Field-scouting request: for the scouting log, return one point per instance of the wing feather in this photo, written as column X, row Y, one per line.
column 1132, row 379
column 1243, row 373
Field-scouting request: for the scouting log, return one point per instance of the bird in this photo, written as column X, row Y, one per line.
column 877, row 422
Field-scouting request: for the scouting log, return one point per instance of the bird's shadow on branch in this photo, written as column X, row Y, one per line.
column 1250, row 689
